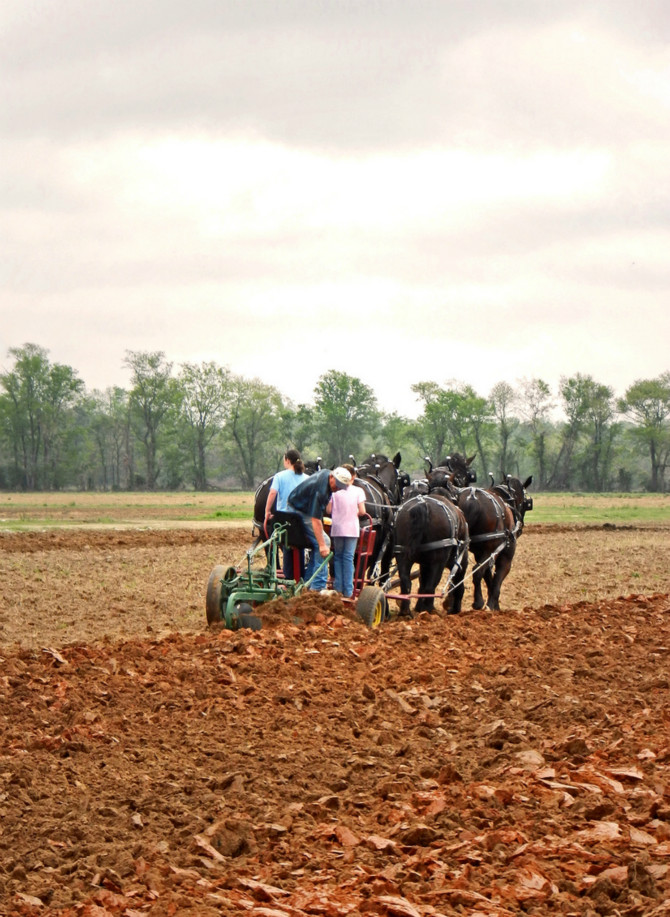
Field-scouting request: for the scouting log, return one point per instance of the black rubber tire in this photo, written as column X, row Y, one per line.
column 213, row 598
column 371, row 606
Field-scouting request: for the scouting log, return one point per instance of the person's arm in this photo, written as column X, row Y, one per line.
column 272, row 496
column 317, row 525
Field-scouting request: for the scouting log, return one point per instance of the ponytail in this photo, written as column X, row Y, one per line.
column 293, row 456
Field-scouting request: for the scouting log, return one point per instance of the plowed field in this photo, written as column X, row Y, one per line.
column 482, row 764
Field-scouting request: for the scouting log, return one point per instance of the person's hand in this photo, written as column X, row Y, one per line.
column 324, row 551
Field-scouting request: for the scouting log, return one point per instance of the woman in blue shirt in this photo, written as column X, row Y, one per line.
column 282, row 484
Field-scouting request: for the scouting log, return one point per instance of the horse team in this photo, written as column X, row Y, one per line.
column 435, row 524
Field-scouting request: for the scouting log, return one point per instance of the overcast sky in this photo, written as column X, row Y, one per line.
column 405, row 191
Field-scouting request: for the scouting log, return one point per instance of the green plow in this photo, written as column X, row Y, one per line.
column 232, row 595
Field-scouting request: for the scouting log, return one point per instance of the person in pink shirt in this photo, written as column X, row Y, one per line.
column 345, row 507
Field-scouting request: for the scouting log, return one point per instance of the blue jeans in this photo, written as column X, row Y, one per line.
column 315, row 559
column 343, row 564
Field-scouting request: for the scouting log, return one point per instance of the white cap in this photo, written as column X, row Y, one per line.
column 342, row 477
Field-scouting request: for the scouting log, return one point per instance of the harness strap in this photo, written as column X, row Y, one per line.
column 489, row 536
column 431, row 545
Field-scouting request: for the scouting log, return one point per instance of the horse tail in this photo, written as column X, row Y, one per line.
column 417, row 514
column 410, row 525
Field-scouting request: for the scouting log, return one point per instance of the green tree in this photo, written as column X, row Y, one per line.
column 454, row 419
column 433, row 428
column 575, row 393
column 254, row 425
column 535, row 406
column 503, row 402
column 345, row 412
column 602, row 432
column 63, row 393
column 36, row 411
column 584, row 459
column 21, row 407
column 153, row 401
column 298, row 429
column 647, row 404
column 111, row 432
column 206, row 391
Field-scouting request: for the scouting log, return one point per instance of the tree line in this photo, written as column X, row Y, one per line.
column 200, row 426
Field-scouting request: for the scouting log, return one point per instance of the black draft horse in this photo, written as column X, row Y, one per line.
column 378, row 506
column 383, row 483
column 431, row 531
column 493, row 531
column 492, row 542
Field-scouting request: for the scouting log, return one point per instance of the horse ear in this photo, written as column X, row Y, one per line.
column 528, row 482
column 469, row 461
column 396, row 459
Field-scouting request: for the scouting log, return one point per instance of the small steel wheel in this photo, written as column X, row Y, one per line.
column 213, row 599
column 371, row 606
column 247, row 618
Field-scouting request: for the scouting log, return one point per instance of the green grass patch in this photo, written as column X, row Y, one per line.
column 20, row 512
column 228, row 514
column 599, row 509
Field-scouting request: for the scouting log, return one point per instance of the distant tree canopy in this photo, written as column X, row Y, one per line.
column 201, row 426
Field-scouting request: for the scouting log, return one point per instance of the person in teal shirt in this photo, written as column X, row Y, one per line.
column 283, row 484
column 310, row 500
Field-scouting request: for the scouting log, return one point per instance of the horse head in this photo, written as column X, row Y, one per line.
column 460, row 465
column 385, row 471
column 444, row 479
column 513, row 492
column 413, row 489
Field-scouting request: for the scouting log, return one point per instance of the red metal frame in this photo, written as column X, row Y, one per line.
column 364, row 550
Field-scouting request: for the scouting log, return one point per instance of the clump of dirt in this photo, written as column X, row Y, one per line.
column 308, row 608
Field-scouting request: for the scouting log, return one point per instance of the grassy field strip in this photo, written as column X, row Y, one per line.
column 19, row 511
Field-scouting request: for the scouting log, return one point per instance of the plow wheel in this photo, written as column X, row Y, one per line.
column 371, row 606
column 247, row 618
column 213, row 598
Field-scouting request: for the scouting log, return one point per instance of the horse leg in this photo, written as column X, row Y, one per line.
column 478, row 602
column 404, row 571
column 386, row 559
column 431, row 573
column 502, row 568
column 453, row 601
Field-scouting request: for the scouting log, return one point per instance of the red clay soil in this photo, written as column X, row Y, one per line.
column 481, row 764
